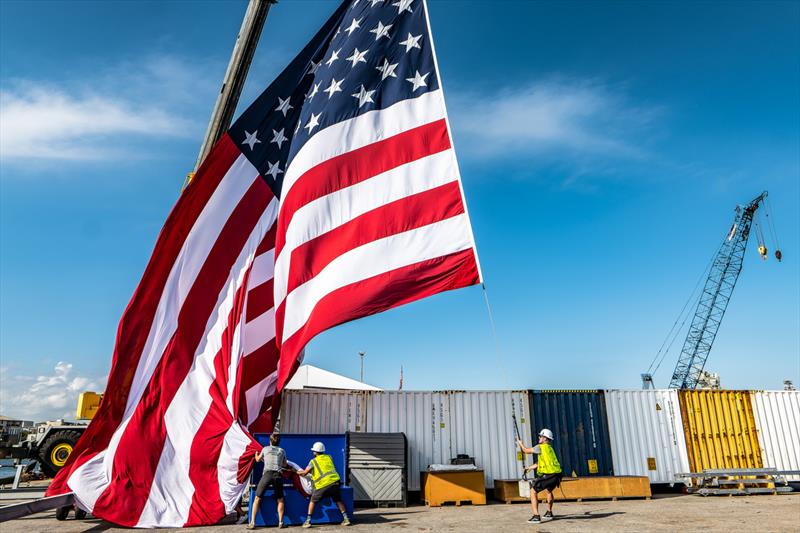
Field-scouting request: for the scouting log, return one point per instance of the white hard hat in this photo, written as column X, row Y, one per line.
column 318, row 447
column 546, row 433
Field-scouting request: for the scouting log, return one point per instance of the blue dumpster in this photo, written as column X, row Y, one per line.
column 298, row 450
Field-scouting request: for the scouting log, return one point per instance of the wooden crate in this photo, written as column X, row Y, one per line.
column 600, row 488
column 440, row 488
column 507, row 490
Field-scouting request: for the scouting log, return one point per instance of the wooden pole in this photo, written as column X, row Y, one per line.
column 232, row 84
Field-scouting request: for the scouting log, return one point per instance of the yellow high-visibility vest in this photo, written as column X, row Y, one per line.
column 547, row 461
column 324, row 472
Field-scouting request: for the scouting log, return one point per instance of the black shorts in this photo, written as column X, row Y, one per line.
column 270, row 479
column 331, row 491
column 546, row 482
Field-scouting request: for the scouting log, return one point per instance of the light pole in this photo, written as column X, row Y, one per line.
column 362, row 354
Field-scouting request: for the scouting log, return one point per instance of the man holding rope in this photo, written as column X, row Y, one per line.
column 548, row 473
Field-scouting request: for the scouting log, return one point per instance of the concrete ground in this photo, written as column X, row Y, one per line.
column 662, row 513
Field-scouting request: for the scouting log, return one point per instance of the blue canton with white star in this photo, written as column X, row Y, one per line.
column 369, row 55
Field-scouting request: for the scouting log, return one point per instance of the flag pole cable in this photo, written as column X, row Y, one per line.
column 235, row 76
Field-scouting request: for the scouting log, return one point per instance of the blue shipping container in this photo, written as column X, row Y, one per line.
column 580, row 426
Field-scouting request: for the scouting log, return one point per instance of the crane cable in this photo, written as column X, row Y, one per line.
column 769, row 215
column 661, row 352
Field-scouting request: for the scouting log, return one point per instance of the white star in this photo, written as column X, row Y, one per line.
column 363, row 96
column 283, row 106
column 273, row 169
column 403, row 5
column 313, row 91
column 334, row 57
column 417, row 81
column 250, row 139
column 375, row 2
column 314, row 67
column 353, row 25
column 297, row 127
column 338, row 31
column 313, row 122
column 278, row 138
column 412, row 42
column 387, row 69
column 357, row 57
column 335, row 87
column 381, row 31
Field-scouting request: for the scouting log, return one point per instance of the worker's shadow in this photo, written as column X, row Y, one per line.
column 588, row 515
column 376, row 518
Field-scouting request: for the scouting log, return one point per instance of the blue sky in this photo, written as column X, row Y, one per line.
column 603, row 149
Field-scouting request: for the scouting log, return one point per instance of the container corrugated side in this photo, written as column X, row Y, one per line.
column 646, row 433
column 580, row 426
column 777, row 415
column 720, row 429
column 322, row 411
column 440, row 425
column 482, row 426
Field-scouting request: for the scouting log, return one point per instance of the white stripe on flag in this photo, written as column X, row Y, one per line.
column 359, row 131
column 258, row 332
column 377, row 257
column 263, row 269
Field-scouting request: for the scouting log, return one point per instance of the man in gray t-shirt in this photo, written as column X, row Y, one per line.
column 275, row 461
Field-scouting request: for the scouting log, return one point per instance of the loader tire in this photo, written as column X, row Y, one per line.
column 55, row 450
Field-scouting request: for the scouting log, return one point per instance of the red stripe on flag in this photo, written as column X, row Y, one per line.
column 359, row 165
column 404, row 214
column 259, row 301
column 268, row 242
column 142, row 443
column 135, row 324
column 376, row 294
column 259, row 364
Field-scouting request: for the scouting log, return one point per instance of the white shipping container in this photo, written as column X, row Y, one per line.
column 322, row 412
column 777, row 415
column 438, row 424
column 646, row 430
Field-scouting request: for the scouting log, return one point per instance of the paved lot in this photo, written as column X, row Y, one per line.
column 664, row 513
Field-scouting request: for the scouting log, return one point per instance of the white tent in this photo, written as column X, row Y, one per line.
column 311, row 377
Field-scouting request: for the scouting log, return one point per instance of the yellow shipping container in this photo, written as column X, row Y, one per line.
column 720, row 429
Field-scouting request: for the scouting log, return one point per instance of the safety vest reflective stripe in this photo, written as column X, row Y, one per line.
column 548, row 462
column 324, row 473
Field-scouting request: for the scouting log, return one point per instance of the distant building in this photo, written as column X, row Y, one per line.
column 788, row 385
column 311, row 377
column 708, row 380
column 13, row 431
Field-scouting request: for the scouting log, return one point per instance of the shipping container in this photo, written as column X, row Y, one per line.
column 720, row 429
column 439, row 425
column 578, row 422
column 777, row 415
column 325, row 412
column 646, row 434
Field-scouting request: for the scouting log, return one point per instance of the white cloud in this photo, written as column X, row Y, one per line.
column 103, row 116
column 40, row 122
column 46, row 396
column 553, row 118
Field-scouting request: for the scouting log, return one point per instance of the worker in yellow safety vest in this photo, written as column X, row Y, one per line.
column 326, row 480
column 548, row 473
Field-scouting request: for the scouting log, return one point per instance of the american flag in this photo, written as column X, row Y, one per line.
column 336, row 195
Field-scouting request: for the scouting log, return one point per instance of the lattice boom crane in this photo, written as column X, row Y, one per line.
column 716, row 294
